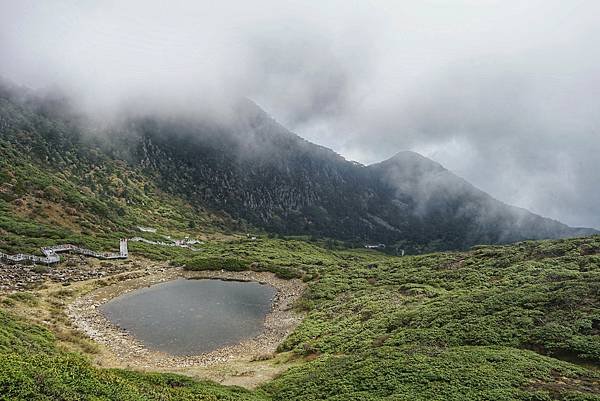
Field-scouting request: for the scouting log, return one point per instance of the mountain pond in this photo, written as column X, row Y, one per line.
column 192, row 316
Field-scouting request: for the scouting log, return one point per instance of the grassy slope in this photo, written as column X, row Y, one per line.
column 31, row 368
column 56, row 185
column 442, row 326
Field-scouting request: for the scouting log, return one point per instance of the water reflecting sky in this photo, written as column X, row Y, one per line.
column 189, row 317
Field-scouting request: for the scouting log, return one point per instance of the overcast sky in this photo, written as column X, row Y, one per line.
column 504, row 93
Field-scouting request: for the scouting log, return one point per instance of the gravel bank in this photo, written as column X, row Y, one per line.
column 279, row 323
column 18, row 277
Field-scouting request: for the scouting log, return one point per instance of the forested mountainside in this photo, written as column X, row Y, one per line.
column 232, row 173
column 59, row 185
column 256, row 170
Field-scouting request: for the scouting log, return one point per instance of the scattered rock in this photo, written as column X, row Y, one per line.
column 279, row 323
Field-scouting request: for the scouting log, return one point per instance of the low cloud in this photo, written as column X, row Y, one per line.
column 504, row 93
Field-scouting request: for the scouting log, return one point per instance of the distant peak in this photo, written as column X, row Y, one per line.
column 407, row 154
column 408, row 158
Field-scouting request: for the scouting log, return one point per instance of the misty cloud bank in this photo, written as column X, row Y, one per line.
column 503, row 93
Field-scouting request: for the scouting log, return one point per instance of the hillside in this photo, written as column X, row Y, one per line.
column 502, row 322
column 518, row 322
column 257, row 170
column 187, row 173
column 57, row 184
column 293, row 201
column 462, row 214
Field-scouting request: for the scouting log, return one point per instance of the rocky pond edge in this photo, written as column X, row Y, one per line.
column 86, row 316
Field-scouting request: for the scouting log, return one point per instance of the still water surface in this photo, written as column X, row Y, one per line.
column 189, row 316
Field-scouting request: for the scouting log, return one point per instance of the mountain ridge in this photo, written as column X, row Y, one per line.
column 259, row 173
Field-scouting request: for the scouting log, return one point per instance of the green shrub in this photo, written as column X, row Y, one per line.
column 40, row 269
column 25, row 298
column 210, row 263
column 284, row 272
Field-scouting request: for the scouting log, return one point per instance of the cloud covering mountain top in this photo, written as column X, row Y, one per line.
column 503, row 93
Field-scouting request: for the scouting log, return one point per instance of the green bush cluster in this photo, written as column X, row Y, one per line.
column 208, row 263
column 421, row 374
column 32, row 368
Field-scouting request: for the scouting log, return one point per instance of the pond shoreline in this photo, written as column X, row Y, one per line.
column 85, row 315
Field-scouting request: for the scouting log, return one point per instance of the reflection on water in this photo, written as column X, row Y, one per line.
column 189, row 317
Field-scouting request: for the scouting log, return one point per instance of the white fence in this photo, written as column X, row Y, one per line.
column 51, row 254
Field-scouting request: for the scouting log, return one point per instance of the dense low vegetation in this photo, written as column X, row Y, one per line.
column 236, row 265
column 31, row 368
column 204, row 263
column 518, row 322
